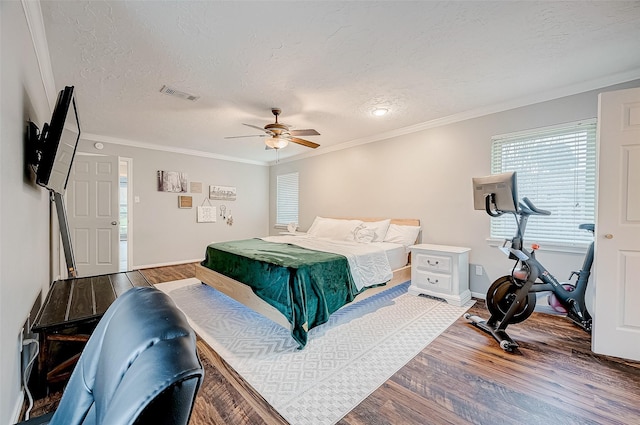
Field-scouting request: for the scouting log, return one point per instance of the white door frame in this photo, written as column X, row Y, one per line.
column 129, row 162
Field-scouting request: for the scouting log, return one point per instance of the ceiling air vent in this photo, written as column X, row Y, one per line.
column 177, row 93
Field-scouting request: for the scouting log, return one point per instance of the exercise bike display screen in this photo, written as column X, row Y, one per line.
column 502, row 187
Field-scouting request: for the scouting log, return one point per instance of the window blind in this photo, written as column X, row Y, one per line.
column 287, row 199
column 556, row 170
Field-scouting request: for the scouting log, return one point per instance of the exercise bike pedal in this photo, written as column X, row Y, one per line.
column 500, row 335
column 582, row 323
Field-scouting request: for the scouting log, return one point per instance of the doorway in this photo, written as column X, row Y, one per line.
column 93, row 204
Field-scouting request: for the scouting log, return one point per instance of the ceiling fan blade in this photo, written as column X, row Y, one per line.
column 307, row 132
column 304, row 142
column 251, row 135
column 254, row 126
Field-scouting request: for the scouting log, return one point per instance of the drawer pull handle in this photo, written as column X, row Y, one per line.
column 434, row 263
column 433, row 282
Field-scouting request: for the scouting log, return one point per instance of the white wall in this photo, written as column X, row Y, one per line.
column 25, row 266
column 164, row 234
column 427, row 175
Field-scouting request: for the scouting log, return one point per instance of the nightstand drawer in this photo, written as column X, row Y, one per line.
column 433, row 263
column 433, row 281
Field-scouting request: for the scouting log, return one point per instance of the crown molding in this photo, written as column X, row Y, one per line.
column 571, row 90
column 35, row 22
column 142, row 145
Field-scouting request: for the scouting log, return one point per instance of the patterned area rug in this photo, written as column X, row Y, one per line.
column 344, row 361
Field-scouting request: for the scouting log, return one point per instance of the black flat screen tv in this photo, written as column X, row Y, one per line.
column 56, row 145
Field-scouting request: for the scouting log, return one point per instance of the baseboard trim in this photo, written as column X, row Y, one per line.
column 478, row 295
column 171, row 263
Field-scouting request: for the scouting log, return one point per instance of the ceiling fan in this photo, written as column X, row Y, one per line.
column 278, row 134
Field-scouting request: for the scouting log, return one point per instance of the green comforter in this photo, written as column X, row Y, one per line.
column 306, row 286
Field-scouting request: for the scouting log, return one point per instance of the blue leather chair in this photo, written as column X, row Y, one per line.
column 139, row 366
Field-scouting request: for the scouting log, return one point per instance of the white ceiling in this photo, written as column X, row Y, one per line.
column 325, row 64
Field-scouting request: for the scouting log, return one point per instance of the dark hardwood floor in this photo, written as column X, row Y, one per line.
column 169, row 273
column 462, row 377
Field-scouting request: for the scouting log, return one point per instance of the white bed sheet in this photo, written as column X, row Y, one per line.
column 396, row 253
column 369, row 263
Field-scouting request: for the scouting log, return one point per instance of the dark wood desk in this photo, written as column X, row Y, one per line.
column 71, row 312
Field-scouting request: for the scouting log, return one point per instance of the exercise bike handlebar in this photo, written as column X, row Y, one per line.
column 527, row 207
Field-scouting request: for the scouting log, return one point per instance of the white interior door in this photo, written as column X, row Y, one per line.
column 617, row 262
column 93, row 210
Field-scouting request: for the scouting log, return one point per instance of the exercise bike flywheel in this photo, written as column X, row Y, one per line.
column 502, row 294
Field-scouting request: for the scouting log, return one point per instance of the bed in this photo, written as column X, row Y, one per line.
column 299, row 280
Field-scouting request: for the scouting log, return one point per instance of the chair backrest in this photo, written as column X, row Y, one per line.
column 139, row 366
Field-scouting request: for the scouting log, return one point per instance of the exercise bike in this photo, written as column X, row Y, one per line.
column 512, row 298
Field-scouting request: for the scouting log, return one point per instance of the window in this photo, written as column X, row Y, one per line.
column 556, row 170
column 287, row 199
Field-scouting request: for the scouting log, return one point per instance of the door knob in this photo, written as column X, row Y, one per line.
column 114, row 223
column 608, row 236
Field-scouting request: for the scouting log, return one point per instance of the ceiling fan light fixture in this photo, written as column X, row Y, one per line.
column 278, row 135
column 276, row 142
column 378, row 112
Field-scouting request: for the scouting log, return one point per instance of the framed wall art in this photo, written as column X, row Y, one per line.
column 223, row 193
column 185, row 201
column 172, row 181
column 206, row 213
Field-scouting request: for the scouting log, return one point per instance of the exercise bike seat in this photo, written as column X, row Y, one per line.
column 588, row 226
column 528, row 208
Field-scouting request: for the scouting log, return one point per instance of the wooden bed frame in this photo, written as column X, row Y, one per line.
column 245, row 295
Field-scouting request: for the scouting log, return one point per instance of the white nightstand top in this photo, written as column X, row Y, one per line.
column 441, row 248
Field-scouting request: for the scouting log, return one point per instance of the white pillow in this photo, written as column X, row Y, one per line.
column 405, row 235
column 379, row 228
column 333, row 228
column 314, row 225
column 363, row 234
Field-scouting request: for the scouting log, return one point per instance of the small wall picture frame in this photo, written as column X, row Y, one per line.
column 222, row 193
column 185, row 201
column 196, row 187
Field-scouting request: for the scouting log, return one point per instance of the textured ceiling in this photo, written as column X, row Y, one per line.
column 325, row 64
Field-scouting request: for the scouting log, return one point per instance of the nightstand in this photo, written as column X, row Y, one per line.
column 440, row 271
